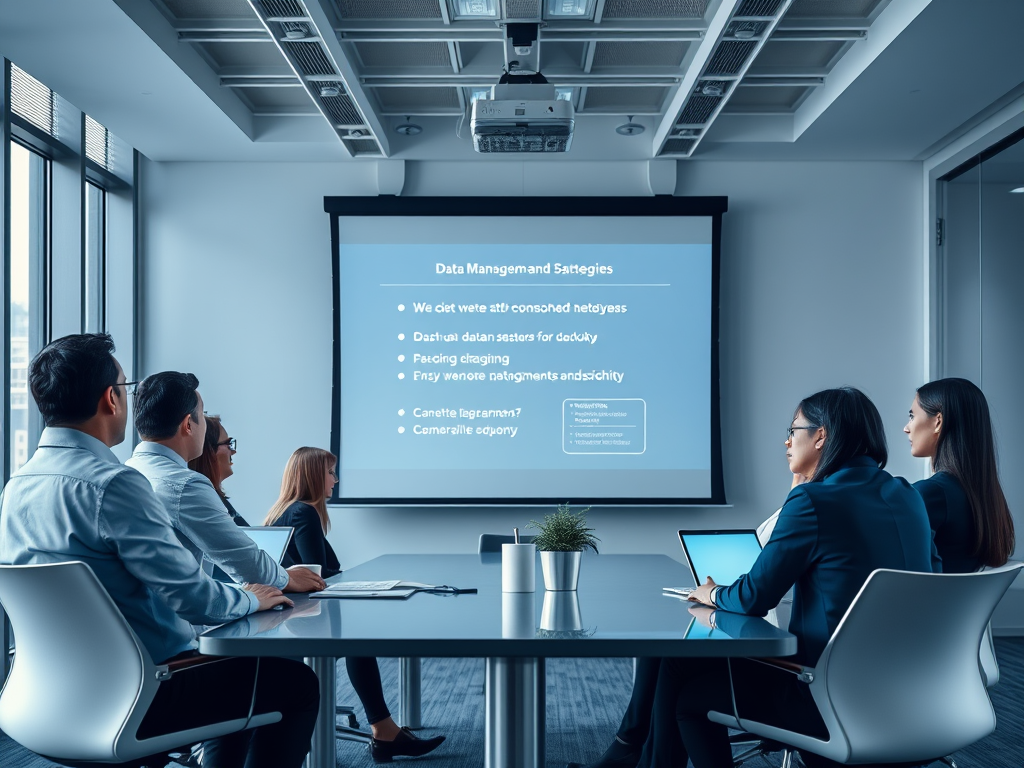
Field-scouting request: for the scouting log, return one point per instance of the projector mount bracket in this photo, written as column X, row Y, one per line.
column 522, row 50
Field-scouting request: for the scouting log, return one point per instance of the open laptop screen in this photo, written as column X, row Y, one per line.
column 722, row 555
column 271, row 539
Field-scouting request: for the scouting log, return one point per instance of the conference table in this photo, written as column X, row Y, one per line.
column 617, row 611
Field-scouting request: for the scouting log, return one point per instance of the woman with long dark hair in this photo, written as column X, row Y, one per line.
column 215, row 462
column 850, row 518
column 309, row 479
column 950, row 424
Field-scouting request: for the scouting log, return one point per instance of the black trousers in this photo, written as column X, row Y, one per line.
column 222, row 690
column 688, row 689
column 364, row 673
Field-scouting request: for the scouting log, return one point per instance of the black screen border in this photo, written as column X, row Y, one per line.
column 659, row 205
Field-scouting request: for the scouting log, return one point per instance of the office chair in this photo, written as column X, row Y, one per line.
column 900, row 680
column 81, row 681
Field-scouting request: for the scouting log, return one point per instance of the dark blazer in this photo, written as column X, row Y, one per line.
column 308, row 544
column 829, row 538
column 239, row 520
column 950, row 515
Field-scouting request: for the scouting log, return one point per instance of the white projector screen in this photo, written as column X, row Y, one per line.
column 526, row 350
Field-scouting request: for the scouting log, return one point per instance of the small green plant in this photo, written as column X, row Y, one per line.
column 565, row 531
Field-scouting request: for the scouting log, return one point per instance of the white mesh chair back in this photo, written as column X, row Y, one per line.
column 901, row 680
column 81, row 682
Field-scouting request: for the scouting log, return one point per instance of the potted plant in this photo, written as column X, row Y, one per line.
column 563, row 537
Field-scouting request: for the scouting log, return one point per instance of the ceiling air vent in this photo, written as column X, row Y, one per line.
column 655, row 9
column 362, row 147
column 763, row 8
column 282, row 8
column 699, row 109
column 678, row 146
column 309, row 57
column 729, row 57
column 341, row 110
column 522, row 9
column 389, row 9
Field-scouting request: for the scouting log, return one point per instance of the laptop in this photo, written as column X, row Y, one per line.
column 722, row 555
column 272, row 539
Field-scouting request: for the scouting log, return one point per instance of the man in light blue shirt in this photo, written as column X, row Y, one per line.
column 74, row 501
column 169, row 418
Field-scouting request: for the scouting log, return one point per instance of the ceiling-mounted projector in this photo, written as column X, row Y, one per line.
column 522, row 118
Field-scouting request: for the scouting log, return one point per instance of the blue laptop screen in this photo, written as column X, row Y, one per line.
column 722, row 556
column 273, row 541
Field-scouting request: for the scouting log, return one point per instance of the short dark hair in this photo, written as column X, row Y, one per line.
column 162, row 401
column 966, row 449
column 69, row 376
column 853, row 427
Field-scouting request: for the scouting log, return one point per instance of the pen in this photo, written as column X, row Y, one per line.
column 515, row 532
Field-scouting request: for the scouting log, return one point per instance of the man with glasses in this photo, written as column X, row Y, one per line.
column 169, row 419
column 73, row 500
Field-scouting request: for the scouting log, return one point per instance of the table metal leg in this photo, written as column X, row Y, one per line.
column 322, row 752
column 514, row 715
column 409, row 688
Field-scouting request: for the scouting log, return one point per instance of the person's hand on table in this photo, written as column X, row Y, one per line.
column 702, row 594
column 303, row 580
column 704, row 615
column 269, row 597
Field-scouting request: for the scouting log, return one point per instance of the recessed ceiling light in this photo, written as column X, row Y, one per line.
column 630, row 128
column 566, row 9
column 712, row 89
column 1017, row 191
column 408, row 128
column 476, row 9
column 295, row 34
column 326, row 91
column 743, row 34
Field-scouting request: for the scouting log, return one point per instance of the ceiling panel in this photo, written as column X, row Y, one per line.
column 243, row 54
column 522, row 9
column 483, row 55
column 798, row 54
column 279, row 98
column 389, row 9
column 422, row 99
column 655, row 9
column 822, row 9
column 622, row 99
column 774, row 98
column 653, row 54
column 403, row 55
column 209, row 9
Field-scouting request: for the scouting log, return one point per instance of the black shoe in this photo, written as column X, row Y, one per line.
column 406, row 744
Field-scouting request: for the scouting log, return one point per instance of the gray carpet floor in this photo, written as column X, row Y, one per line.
column 585, row 699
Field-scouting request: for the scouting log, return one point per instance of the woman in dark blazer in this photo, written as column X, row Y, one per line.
column 849, row 519
column 309, row 480
column 950, row 424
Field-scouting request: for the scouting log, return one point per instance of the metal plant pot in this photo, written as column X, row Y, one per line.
column 561, row 570
column 561, row 612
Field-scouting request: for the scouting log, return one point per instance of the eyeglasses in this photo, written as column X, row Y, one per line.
column 791, row 430
column 333, row 473
column 231, row 443
column 127, row 384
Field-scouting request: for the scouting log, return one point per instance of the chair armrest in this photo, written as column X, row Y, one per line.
column 165, row 671
column 804, row 674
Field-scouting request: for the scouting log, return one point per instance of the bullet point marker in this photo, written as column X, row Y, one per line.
column 401, row 358
column 401, row 430
column 401, row 375
column 401, row 337
column 401, row 307
column 401, row 411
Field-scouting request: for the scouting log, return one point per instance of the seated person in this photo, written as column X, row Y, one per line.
column 215, row 463
column 169, row 419
column 309, row 480
column 849, row 519
column 950, row 424
column 73, row 500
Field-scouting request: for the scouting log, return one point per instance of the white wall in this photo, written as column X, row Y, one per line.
column 821, row 287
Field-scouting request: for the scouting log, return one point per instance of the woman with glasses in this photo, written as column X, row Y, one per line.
column 309, row 479
column 215, row 462
column 849, row 518
column 950, row 424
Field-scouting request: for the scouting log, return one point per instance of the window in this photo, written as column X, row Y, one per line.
column 29, row 230
column 94, row 317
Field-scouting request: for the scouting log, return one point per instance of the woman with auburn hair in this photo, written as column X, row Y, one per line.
column 950, row 424
column 309, row 479
column 215, row 462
